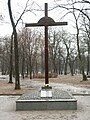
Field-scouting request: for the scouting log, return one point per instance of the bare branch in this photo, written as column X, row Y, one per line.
column 71, row 8
column 22, row 13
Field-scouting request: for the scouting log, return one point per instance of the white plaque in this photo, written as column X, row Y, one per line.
column 46, row 93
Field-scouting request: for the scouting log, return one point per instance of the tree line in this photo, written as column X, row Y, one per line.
column 63, row 54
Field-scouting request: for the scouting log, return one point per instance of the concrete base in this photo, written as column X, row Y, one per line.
column 61, row 100
column 59, row 104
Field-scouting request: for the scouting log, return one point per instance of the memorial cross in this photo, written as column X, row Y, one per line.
column 46, row 21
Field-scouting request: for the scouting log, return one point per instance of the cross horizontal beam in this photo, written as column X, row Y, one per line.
column 48, row 24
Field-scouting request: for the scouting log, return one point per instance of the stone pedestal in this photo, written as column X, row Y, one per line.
column 46, row 99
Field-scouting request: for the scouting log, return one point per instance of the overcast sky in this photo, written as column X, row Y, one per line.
column 17, row 8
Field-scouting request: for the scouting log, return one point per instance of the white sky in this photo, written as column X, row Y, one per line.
column 17, row 7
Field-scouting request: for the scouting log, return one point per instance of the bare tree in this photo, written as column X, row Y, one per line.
column 29, row 51
column 54, row 42
column 4, row 54
column 86, row 36
column 11, row 51
column 78, row 45
column 17, row 80
column 15, row 41
column 70, row 7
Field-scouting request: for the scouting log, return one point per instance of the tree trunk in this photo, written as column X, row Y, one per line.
column 11, row 62
column 80, row 59
column 71, row 64
column 30, row 67
column 27, row 69
column 42, row 61
column 36, row 67
column 88, row 59
column 23, row 63
column 17, row 81
column 59, row 66
column 23, row 66
column 65, row 69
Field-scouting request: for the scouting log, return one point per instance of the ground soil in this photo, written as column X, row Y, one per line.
column 9, row 88
column 76, row 80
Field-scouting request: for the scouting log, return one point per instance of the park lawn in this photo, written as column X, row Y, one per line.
column 76, row 80
column 9, row 88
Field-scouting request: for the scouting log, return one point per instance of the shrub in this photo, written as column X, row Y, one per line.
column 50, row 75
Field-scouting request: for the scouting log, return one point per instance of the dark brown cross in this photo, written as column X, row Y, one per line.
column 46, row 21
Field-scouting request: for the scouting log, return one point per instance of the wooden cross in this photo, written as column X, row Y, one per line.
column 46, row 21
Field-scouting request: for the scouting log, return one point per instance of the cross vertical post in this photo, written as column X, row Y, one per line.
column 46, row 47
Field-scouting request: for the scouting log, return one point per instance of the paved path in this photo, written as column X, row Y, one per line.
column 8, row 112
